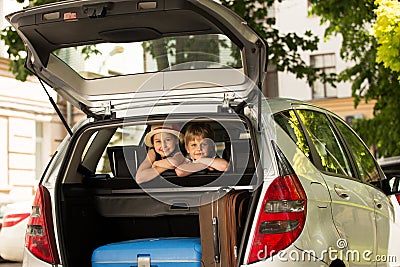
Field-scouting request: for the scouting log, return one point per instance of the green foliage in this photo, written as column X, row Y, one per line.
column 370, row 80
column 16, row 52
column 16, row 47
column 383, row 131
column 191, row 49
column 88, row 50
column 387, row 31
column 283, row 49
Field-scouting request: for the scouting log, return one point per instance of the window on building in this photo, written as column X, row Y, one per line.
column 21, row 151
column 326, row 63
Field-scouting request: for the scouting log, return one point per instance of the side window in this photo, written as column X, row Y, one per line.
column 364, row 160
column 289, row 123
column 126, row 136
column 327, row 143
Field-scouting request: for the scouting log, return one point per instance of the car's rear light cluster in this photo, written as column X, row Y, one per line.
column 40, row 239
column 13, row 219
column 283, row 214
column 398, row 198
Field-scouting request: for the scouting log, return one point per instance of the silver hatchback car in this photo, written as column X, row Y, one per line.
column 299, row 187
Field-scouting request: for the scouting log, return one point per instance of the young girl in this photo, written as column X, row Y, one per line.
column 201, row 151
column 164, row 153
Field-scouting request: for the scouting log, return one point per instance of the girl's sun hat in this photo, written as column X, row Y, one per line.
column 163, row 128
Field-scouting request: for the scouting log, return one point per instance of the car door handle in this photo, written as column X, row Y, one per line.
column 341, row 192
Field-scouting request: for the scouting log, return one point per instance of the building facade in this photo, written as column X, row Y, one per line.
column 293, row 16
column 30, row 130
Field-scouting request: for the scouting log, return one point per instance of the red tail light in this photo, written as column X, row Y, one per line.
column 282, row 217
column 13, row 219
column 398, row 198
column 40, row 239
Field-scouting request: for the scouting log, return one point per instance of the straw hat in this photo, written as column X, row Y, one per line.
column 163, row 128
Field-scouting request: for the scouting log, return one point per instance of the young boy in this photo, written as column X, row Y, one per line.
column 164, row 153
column 201, row 151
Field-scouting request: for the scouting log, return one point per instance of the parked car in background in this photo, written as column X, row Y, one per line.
column 4, row 200
column 390, row 166
column 12, row 234
column 308, row 182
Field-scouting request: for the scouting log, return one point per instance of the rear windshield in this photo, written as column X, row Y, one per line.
column 207, row 51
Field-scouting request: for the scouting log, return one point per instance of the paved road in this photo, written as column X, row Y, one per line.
column 10, row 264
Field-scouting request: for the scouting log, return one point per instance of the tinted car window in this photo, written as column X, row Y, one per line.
column 204, row 51
column 289, row 123
column 327, row 143
column 364, row 160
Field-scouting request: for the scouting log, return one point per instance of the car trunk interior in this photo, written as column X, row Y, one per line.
column 99, row 209
column 92, row 217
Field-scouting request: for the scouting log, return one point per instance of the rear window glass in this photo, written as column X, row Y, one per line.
column 208, row 51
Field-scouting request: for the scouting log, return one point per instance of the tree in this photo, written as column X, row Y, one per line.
column 371, row 80
column 16, row 48
column 282, row 48
column 386, row 29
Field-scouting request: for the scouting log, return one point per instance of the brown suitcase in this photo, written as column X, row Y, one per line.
column 221, row 225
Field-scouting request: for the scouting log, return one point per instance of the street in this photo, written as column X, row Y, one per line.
column 10, row 264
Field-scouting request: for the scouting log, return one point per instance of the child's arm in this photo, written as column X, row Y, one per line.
column 170, row 163
column 215, row 163
column 146, row 172
column 188, row 168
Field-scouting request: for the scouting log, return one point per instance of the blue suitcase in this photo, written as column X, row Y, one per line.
column 161, row 252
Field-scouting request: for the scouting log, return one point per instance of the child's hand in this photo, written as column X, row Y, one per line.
column 155, row 164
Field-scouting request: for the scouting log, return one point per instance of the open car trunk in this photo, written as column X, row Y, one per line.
column 102, row 43
column 92, row 219
column 101, row 203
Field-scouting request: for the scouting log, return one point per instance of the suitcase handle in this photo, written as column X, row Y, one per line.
column 215, row 239
column 143, row 260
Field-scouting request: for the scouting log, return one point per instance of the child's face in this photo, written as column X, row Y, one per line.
column 164, row 143
column 199, row 148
